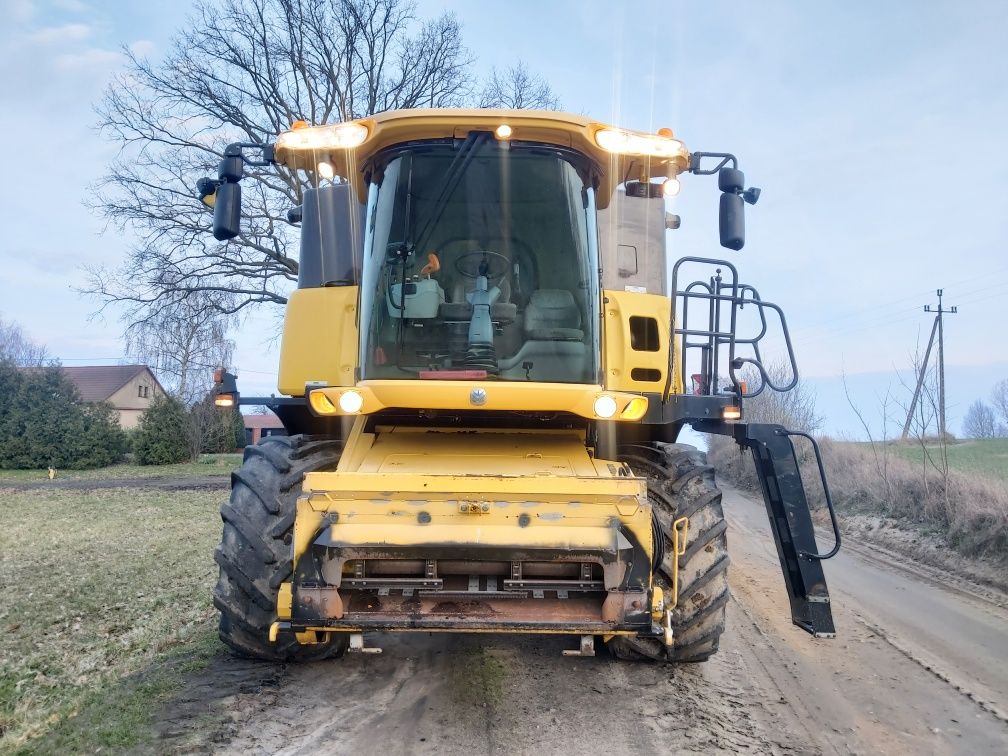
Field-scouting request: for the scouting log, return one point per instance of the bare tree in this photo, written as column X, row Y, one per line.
column 980, row 421
column 183, row 342
column 795, row 409
column 924, row 423
column 927, row 413
column 926, row 409
column 999, row 398
column 18, row 347
column 242, row 70
column 517, row 87
column 879, row 447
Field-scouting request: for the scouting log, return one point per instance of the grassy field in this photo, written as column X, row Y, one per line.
column 988, row 457
column 106, row 607
column 208, row 464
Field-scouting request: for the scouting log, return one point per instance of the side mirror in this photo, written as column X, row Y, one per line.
column 731, row 221
column 730, row 180
column 734, row 196
column 227, row 212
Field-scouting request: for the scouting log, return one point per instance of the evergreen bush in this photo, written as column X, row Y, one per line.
column 43, row 422
column 162, row 437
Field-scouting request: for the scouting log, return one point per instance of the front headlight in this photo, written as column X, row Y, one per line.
column 351, row 402
column 605, row 406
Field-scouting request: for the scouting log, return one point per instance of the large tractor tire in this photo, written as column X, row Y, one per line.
column 255, row 551
column 681, row 484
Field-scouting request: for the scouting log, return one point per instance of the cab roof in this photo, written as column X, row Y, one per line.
column 347, row 147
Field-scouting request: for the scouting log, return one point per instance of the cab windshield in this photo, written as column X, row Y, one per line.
column 481, row 263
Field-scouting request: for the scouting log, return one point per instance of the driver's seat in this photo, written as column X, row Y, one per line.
column 459, row 309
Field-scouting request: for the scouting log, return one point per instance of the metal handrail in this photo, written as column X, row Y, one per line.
column 724, row 300
column 829, row 499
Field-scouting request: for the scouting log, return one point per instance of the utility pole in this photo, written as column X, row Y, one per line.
column 935, row 329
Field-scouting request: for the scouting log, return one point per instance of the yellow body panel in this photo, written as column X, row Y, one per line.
column 570, row 499
column 562, row 522
column 319, row 339
column 526, row 396
column 563, row 129
column 623, row 353
column 450, row 453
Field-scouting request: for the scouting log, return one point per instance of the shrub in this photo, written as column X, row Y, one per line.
column 162, row 435
column 970, row 510
column 220, row 430
column 43, row 422
column 237, row 421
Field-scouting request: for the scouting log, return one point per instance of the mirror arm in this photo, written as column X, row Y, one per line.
column 725, row 158
column 236, row 149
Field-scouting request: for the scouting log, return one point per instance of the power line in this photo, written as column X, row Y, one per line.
column 878, row 313
column 996, row 290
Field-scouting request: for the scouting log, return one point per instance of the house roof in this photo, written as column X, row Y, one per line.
column 263, row 421
column 96, row 383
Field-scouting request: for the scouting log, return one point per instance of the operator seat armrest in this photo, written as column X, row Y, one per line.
column 457, row 312
column 553, row 315
column 555, row 334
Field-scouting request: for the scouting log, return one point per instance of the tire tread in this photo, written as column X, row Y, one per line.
column 681, row 483
column 254, row 557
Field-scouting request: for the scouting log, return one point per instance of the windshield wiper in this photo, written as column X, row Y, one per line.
column 466, row 152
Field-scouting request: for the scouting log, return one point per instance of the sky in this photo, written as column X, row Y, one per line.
column 874, row 130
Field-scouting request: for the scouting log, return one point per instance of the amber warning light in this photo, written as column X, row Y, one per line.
column 226, row 388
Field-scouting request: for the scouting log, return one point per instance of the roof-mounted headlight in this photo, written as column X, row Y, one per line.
column 337, row 136
column 625, row 142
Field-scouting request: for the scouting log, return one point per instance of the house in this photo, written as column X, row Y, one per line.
column 130, row 389
column 260, row 426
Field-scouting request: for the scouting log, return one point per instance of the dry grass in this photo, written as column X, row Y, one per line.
column 969, row 511
column 106, row 606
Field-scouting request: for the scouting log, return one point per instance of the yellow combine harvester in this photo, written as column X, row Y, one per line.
column 485, row 374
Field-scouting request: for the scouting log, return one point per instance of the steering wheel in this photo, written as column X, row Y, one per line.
column 493, row 265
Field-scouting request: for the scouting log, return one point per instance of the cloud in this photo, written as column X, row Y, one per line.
column 17, row 11
column 61, row 35
column 94, row 58
column 71, row 6
column 143, row 48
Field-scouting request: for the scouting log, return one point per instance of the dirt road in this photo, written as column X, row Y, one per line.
column 918, row 666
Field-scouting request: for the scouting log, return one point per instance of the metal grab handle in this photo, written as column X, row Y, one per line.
column 829, row 499
column 758, row 361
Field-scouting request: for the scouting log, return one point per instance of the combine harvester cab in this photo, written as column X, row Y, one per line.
column 485, row 369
